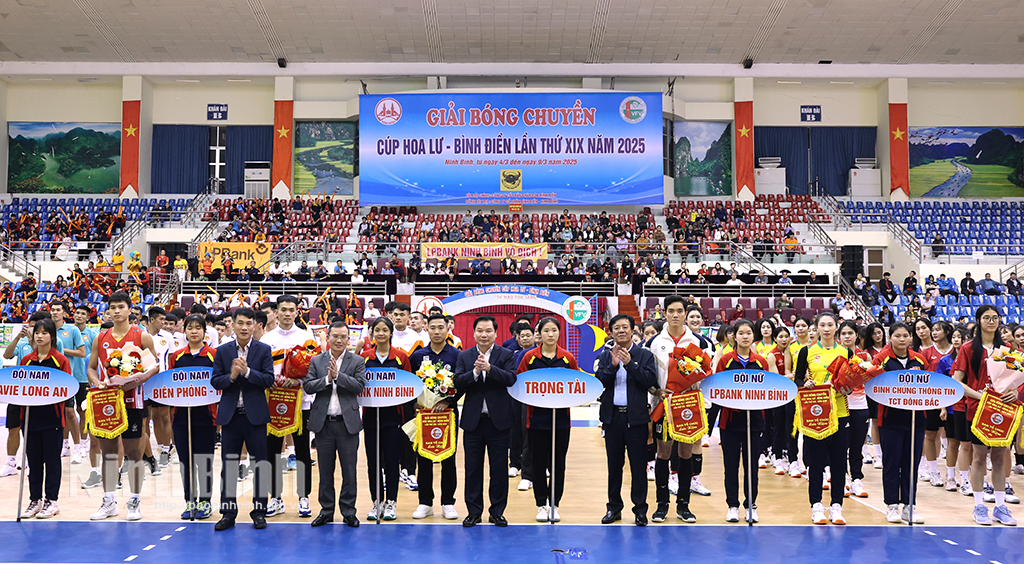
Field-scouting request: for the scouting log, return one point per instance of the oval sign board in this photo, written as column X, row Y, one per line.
column 914, row 390
column 182, row 387
column 556, row 388
column 748, row 389
column 386, row 387
column 35, row 385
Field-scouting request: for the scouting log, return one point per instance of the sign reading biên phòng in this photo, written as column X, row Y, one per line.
column 182, row 387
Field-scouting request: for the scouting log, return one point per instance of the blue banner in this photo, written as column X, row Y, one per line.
column 748, row 389
column 914, row 390
column 182, row 387
column 495, row 149
column 35, row 385
column 555, row 388
column 386, row 387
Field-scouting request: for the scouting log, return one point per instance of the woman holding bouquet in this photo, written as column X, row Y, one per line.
column 859, row 420
column 391, row 419
column 813, row 368
column 780, row 361
column 539, row 425
column 45, row 433
column 733, row 428
column 971, row 370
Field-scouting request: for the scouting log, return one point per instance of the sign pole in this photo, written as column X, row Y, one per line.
column 24, row 465
column 750, row 478
column 192, row 478
column 551, row 490
column 376, row 503
column 913, row 465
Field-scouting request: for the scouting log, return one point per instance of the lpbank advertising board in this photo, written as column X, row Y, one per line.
column 495, row 149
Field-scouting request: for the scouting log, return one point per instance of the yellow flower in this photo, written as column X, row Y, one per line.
column 429, row 382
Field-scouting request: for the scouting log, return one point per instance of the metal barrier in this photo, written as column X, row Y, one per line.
column 742, row 290
column 896, row 230
column 17, row 263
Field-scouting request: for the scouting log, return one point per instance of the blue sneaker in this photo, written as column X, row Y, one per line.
column 981, row 515
column 291, row 462
column 204, row 510
column 187, row 514
column 1003, row 516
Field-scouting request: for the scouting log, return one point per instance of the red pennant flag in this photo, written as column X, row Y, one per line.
column 899, row 149
column 130, row 111
column 743, row 136
column 281, row 171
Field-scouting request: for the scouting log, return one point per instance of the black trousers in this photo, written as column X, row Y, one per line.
column 335, row 444
column 495, row 441
column 237, row 432
column 898, row 464
column 735, row 451
column 783, row 440
column 832, row 452
column 858, row 433
column 304, row 462
column 392, row 441
column 541, row 441
column 526, row 453
column 449, row 481
column 43, row 451
column 622, row 440
column 409, row 457
column 203, row 440
column 518, row 434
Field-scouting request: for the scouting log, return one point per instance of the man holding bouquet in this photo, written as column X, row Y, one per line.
column 441, row 356
column 107, row 369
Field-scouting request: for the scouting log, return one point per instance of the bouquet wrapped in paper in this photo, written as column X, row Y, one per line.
column 852, row 373
column 296, row 363
column 127, row 364
column 686, row 366
column 438, row 383
column 1005, row 369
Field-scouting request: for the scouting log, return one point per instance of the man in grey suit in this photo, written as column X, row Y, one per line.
column 336, row 377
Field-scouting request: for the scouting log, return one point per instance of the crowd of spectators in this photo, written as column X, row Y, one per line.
column 61, row 236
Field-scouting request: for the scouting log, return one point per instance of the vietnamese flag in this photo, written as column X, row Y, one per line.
column 743, row 136
column 130, row 112
column 281, row 169
column 899, row 149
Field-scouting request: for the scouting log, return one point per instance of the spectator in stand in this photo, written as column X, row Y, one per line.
column 947, row 286
column 885, row 317
column 550, row 269
column 847, row 313
column 761, row 278
column 910, row 284
column 481, row 266
column 303, row 269
column 227, row 263
column 785, row 279
column 990, row 287
column 887, row 288
column 734, row 280
column 364, row 265
column 837, row 303
column 813, row 279
column 340, row 268
column 320, row 272
column 968, row 286
column 938, row 246
column 870, row 294
column 737, row 314
column 415, row 266
column 931, row 286
column 162, row 261
column 928, row 305
column 1013, row 286
column 783, row 303
column 739, row 216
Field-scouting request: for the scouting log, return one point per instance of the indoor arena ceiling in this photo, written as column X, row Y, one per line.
column 514, row 31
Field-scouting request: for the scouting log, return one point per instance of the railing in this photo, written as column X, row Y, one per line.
column 128, row 234
column 204, row 235
column 896, row 230
column 17, row 263
column 852, row 296
column 313, row 289
column 571, row 288
column 975, row 253
column 742, row 290
column 1013, row 268
column 776, row 254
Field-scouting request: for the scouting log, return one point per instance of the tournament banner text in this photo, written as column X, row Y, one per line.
column 487, row 250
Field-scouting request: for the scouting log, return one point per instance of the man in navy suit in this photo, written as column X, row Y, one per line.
column 243, row 369
column 485, row 373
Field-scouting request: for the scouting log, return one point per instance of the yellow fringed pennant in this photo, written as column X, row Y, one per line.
column 685, row 418
column 285, row 405
column 816, row 415
column 435, row 434
column 112, row 418
column 995, row 422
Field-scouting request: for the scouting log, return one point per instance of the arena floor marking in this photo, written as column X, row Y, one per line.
column 78, row 542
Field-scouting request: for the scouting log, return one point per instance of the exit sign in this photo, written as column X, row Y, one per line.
column 810, row 113
column 216, row 112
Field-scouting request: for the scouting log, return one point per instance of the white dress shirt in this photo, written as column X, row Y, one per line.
column 482, row 376
column 619, row 396
column 243, row 353
column 334, row 407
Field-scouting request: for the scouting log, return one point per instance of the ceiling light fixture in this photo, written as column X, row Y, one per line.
column 190, row 80
column 993, row 83
column 939, row 83
column 788, row 82
column 40, row 80
column 239, row 80
column 840, row 82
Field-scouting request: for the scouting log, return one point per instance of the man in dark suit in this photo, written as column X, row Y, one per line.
column 484, row 373
column 336, row 377
column 243, row 369
column 627, row 372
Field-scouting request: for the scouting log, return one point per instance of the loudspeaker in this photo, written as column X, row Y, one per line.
column 747, row 63
column 282, row 62
column 853, row 261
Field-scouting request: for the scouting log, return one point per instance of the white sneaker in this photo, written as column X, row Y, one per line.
column 65, row 450
column 988, row 461
column 905, row 516
column 698, row 488
column 650, row 471
column 733, row 515
column 1017, row 469
column 107, row 509
column 924, row 475
column 857, row 489
column 134, row 507
column 409, row 480
column 706, row 441
column 76, row 455
column 275, row 507
column 422, row 512
column 513, row 471
column 818, row 514
column 751, row 516
column 49, row 510
column 936, row 480
column 9, row 470
column 867, row 455
column 524, row 485
column 542, row 514
column 836, row 513
column 762, row 461
column 372, row 515
column 304, row 510
column 892, row 513
column 554, row 514
column 449, row 512
column 827, row 476
column 673, row 484
column 878, row 463
column 390, row 510
column 965, row 489
column 780, row 470
column 795, row 469
column 33, row 509
column 951, row 484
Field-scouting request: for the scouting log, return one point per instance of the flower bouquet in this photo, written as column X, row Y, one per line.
column 1005, row 369
column 438, row 383
column 127, row 364
column 296, row 363
column 853, row 373
column 686, row 366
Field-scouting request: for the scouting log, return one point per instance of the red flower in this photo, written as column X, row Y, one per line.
column 451, row 391
column 111, row 371
column 136, row 356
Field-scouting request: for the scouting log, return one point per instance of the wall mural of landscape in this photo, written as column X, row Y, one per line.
column 63, row 158
column 325, row 159
column 967, row 162
column 703, row 158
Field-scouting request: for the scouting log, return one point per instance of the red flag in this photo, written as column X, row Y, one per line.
column 743, row 136
column 281, row 172
column 130, row 111
column 899, row 149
